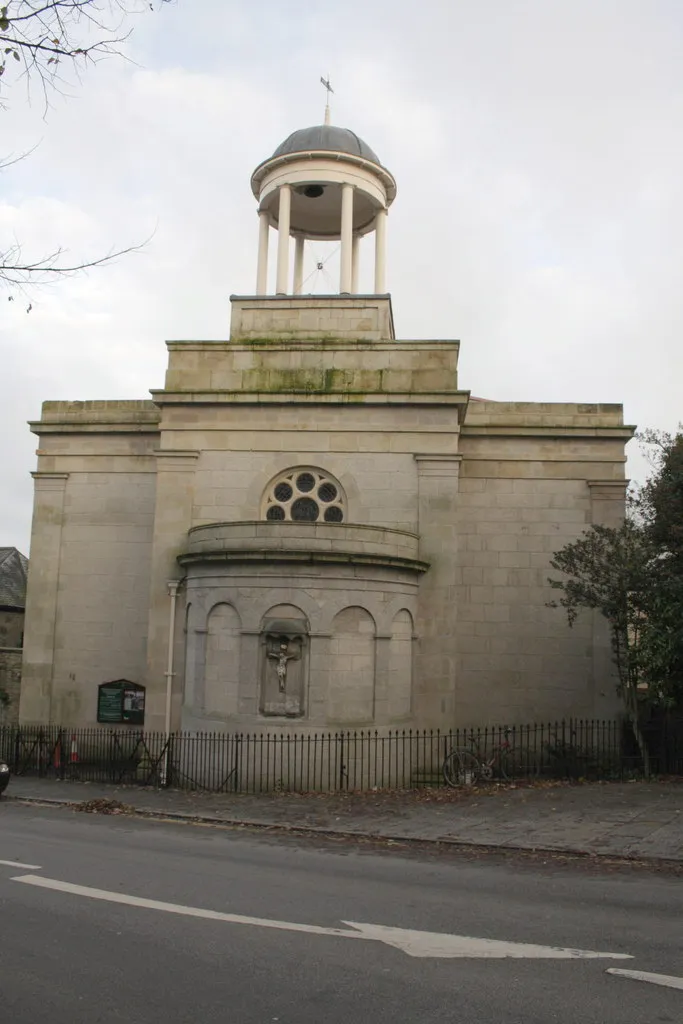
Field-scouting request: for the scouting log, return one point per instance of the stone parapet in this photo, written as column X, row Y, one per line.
column 297, row 540
column 509, row 416
column 131, row 416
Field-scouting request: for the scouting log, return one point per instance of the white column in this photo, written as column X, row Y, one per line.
column 262, row 268
column 283, row 240
column 298, row 264
column 346, row 274
column 380, row 251
column 355, row 268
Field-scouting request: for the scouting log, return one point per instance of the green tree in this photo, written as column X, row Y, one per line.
column 633, row 575
column 611, row 570
column 658, row 506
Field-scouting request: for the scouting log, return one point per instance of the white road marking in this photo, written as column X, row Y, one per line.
column 436, row 944
column 24, row 867
column 414, row 943
column 666, row 980
column 177, row 908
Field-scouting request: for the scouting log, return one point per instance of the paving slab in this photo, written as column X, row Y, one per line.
column 634, row 819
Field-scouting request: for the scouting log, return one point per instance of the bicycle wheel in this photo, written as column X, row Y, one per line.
column 503, row 766
column 461, row 768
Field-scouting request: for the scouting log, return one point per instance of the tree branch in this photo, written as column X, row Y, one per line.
column 14, row 272
column 38, row 36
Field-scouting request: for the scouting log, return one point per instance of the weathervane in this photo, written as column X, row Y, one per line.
column 326, row 83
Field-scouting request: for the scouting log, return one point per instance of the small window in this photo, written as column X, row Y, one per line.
column 283, row 492
column 305, row 510
column 327, row 491
column 305, row 482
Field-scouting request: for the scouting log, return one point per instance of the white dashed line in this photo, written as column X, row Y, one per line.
column 666, row 980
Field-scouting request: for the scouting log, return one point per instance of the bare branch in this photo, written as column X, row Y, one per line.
column 37, row 39
column 10, row 161
column 40, row 37
column 17, row 273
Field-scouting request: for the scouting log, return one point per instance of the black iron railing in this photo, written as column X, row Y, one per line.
column 325, row 761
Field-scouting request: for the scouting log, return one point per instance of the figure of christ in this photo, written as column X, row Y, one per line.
column 281, row 657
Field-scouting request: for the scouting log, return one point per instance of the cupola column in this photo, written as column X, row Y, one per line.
column 283, row 223
column 346, row 275
column 380, row 252
column 355, row 269
column 298, row 264
column 262, row 268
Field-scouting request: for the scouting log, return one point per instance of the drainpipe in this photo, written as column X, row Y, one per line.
column 173, row 586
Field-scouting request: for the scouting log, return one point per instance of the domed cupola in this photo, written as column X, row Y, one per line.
column 322, row 182
column 326, row 137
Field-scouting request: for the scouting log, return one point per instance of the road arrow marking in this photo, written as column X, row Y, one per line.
column 666, row 980
column 24, row 867
column 437, row 944
column 414, row 943
column 177, row 908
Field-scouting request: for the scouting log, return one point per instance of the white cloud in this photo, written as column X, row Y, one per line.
column 538, row 217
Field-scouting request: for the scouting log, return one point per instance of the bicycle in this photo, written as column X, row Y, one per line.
column 465, row 767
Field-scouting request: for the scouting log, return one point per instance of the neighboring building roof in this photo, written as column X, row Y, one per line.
column 326, row 136
column 13, row 571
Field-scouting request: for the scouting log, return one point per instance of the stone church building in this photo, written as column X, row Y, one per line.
column 313, row 525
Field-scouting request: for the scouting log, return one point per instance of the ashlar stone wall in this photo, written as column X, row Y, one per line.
column 366, row 317
column 358, row 641
column 533, row 478
column 88, row 591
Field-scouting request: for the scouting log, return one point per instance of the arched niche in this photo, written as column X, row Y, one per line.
column 222, row 666
column 351, row 694
column 283, row 662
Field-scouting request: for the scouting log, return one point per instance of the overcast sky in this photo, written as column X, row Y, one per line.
column 538, row 152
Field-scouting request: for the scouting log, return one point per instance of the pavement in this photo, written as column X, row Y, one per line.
column 109, row 919
column 636, row 820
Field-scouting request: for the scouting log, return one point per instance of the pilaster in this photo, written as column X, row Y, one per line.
column 608, row 501
column 172, row 520
column 382, row 677
column 435, row 683
column 42, row 596
column 249, row 683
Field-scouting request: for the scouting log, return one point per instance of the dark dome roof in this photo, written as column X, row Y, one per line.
column 326, row 136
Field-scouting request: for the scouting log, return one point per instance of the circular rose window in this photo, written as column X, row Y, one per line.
column 304, row 496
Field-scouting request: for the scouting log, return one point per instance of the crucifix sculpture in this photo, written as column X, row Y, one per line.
column 282, row 657
column 283, row 667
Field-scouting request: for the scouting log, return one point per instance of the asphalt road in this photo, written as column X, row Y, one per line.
column 79, row 956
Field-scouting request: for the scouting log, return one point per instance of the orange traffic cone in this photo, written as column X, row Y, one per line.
column 74, row 750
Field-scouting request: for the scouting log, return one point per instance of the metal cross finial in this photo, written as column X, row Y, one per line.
column 326, row 83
